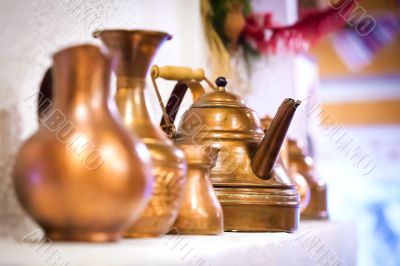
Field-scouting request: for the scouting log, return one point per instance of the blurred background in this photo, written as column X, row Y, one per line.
column 349, row 81
column 360, row 87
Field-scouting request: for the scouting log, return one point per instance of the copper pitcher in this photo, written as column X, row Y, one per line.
column 82, row 176
column 133, row 51
column 201, row 212
column 298, row 179
column 255, row 192
column 304, row 165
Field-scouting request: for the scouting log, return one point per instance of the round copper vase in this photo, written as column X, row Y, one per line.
column 82, row 176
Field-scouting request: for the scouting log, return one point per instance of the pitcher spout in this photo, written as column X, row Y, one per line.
column 265, row 157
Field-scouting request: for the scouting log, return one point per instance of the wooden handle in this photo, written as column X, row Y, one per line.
column 177, row 73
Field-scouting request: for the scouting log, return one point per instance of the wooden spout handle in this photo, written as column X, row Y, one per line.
column 177, row 73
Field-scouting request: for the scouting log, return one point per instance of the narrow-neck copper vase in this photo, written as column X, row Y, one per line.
column 134, row 51
column 82, row 176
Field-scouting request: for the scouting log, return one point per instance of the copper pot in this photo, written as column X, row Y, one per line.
column 82, row 176
column 134, row 51
column 201, row 212
column 304, row 165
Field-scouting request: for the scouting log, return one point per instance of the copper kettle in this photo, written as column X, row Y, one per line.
column 255, row 192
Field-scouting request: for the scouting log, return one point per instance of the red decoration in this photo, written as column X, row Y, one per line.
column 266, row 37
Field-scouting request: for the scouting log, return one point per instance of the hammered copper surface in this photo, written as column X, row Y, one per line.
column 82, row 176
column 134, row 51
column 222, row 120
column 300, row 162
column 201, row 212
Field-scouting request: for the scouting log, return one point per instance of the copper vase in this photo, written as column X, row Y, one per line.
column 200, row 213
column 134, row 51
column 82, row 176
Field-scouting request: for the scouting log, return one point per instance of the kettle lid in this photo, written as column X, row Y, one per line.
column 219, row 115
column 220, row 97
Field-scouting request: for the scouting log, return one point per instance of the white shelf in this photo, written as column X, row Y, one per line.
column 315, row 243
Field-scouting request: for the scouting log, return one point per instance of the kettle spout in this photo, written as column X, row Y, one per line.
column 265, row 157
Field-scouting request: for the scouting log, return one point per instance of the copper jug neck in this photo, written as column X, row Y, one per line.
column 81, row 76
column 124, row 82
column 131, row 93
column 133, row 51
column 131, row 100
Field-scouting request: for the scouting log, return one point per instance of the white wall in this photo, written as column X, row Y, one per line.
column 37, row 29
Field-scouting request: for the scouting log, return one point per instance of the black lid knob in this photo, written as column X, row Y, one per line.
column 221, row 82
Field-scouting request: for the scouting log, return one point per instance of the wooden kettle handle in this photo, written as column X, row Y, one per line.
column 177, row 73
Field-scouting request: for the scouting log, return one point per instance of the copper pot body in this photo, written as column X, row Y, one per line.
column 303, row 164
column 82, row 176
column 201, row 212
column 134, row 51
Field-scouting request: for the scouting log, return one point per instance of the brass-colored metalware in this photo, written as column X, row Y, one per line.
column 302, row 188
column 298, row 179
column 255, row 192
column 201, row 212
column 82, row 176
column 133, row 51
column 303, row 164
